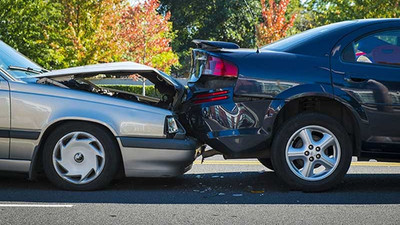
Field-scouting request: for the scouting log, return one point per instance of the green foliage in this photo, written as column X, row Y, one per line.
column 321, row 12
column 33, row 28
column 64, row 33
column 136, row 89
column 223, row 20
column 91, row 26
column 148, row 35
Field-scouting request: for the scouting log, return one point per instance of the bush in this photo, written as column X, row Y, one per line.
column 135, row 89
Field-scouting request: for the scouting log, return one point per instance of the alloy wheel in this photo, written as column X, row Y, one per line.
column 313, row 153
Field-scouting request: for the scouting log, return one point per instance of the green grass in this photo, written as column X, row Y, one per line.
column 135, row 89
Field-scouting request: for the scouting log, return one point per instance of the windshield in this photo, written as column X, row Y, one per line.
column 10, row 57
column 295, row 40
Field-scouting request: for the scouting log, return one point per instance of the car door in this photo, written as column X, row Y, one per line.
column 4, row 118
column 368, row 70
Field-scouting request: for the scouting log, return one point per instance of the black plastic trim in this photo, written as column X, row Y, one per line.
column 4, row 133
column 206, row 44
column 158, row 143
column 20, row 134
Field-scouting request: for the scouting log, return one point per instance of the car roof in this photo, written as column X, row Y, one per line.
column 320, row 41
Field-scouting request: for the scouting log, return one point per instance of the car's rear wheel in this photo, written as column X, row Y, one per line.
column 80, row 156
column 267, row 163
column 311, row 152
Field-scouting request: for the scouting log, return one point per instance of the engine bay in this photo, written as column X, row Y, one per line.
column 166, row 97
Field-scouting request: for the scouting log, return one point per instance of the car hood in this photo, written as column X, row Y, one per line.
column 118, row 67
column 155, row 76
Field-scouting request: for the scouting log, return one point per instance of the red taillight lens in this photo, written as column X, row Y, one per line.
column 219, row 67
column 212, row 94
column 211, row 97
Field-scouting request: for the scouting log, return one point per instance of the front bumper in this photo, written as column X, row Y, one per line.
column 157, row 157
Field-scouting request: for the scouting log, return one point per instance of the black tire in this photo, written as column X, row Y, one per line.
column 279, row 152
column 111, row 151
column 267, row 163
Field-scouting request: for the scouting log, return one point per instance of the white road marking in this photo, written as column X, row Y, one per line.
column 35, row 206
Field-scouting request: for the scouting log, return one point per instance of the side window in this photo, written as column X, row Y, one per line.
column 378, row 48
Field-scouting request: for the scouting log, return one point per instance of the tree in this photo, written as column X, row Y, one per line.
column 33, row 28
column 330, row 11
column 147, row 35
column 92, row 28
column 275, row 24
column 63, row 33
column 223, row 20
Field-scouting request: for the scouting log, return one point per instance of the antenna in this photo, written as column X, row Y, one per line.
column 255, row 25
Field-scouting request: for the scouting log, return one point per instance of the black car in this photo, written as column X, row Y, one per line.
column 303, row 105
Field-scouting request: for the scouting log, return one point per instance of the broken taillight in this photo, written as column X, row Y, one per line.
column 219, row 67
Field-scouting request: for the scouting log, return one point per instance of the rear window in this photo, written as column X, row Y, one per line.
column 298, row 39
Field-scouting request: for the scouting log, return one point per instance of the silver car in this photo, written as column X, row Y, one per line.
column 82, row 135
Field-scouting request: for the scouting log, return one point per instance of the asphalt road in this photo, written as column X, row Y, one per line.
column 217, row 192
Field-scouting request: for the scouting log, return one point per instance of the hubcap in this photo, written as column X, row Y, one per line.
column 78, row 157
column 313, row 153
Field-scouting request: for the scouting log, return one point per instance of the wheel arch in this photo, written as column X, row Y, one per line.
column 36, row 163
column 321, row 103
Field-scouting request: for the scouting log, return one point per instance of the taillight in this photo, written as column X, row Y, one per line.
column 211, row 97
column 219, row 67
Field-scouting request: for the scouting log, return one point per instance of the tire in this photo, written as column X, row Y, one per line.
column 80, row 156
column 310, row 165
column 267, row 163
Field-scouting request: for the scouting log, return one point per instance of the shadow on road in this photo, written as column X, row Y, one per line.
column 210, row 188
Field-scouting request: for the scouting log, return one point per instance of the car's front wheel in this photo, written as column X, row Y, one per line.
column 80, row 156
column 311, row 152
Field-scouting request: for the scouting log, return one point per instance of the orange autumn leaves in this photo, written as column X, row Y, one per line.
column 98, row 31
column 274, row 25
column 147, row 36
column 113, row 30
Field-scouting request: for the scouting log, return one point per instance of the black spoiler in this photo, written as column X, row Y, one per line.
column 204, row 44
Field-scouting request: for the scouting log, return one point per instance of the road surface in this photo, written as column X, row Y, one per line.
column 216, row 192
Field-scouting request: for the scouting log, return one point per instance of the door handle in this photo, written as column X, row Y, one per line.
column 353, row 78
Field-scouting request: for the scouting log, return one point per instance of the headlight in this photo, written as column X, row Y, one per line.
column 172, row 126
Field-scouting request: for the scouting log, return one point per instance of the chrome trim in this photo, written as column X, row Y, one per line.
column 6, row 75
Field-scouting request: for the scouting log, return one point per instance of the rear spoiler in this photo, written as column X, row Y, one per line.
column 204, row 44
